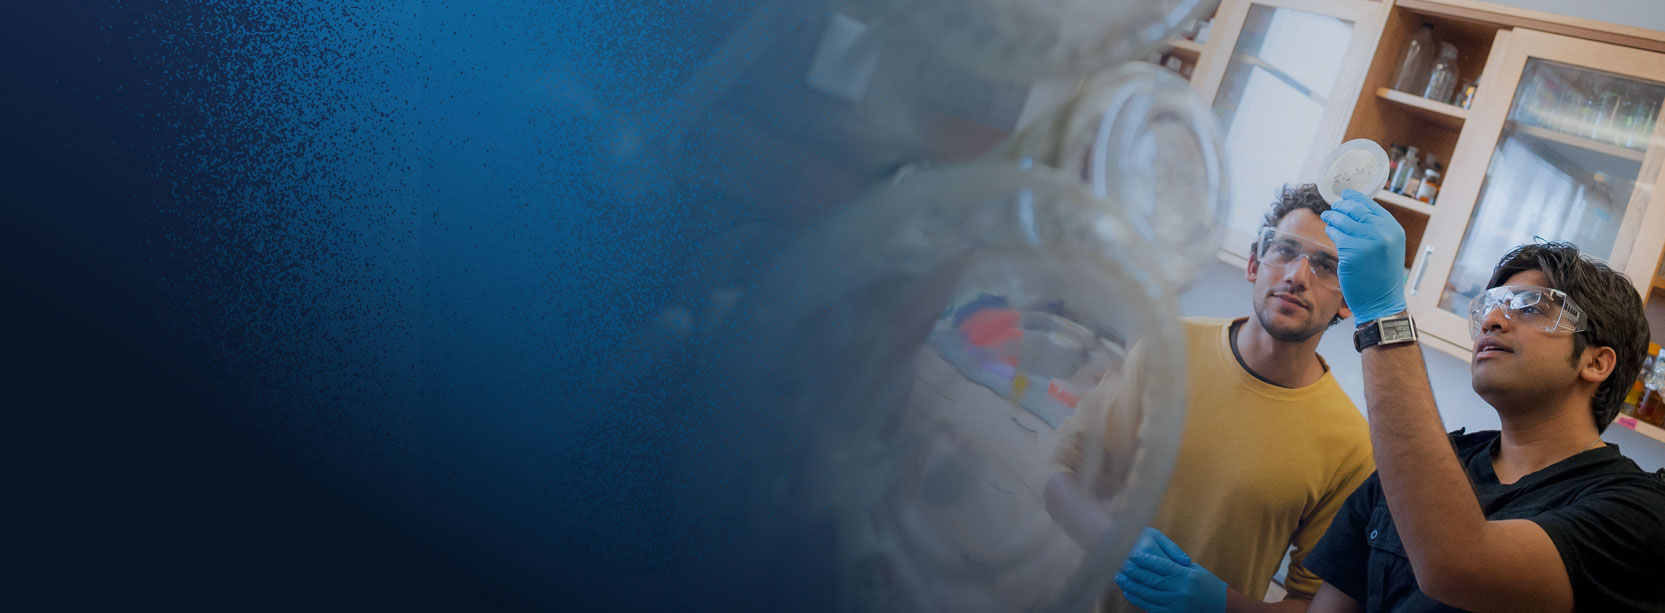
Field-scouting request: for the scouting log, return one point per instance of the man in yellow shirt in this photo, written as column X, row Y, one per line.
column 1272, row 445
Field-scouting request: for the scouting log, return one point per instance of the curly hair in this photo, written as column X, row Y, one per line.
column 1612, row 311
column 1290, row 198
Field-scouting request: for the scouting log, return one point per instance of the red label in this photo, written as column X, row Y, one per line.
column 1063, row 394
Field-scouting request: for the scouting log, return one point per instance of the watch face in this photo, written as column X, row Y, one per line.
column 1398, row 331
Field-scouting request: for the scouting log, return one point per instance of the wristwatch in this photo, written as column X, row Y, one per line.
column 1385, row 331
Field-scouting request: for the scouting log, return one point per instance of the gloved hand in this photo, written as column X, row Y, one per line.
column 1371, row 246
column 1159, row 577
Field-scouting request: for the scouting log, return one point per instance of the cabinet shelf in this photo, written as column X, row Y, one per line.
column 1410, row 204
column 1641, row 427
column 1577, row 141
column 1448, row 115
column 1185, row 48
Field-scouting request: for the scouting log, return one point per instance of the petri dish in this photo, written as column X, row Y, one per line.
column 1359, row 164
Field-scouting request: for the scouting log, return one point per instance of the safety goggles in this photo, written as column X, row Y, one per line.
column 1280, row 249
column 1529, row 306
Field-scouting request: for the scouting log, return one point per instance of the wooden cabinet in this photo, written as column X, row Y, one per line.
column 1392, row 117
column 1561, row 142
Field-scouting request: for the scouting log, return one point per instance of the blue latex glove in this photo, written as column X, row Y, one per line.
column 1371, row 246
column 1158, row 577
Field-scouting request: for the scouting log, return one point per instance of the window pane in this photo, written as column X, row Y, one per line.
column 1276, row 87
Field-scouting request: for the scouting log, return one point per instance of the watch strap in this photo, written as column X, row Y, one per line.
column 1399, row 329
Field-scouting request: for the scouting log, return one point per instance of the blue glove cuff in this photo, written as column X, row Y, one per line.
column 1387, row 311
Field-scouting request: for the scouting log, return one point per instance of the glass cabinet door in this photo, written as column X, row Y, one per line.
column 1281, row 96
column 1573, row 158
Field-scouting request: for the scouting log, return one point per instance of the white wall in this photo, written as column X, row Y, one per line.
column 1221, row 291
column 1648, row 14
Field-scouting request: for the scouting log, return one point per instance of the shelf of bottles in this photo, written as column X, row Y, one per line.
column 1188, row 48
column 1588, row 109
column 1644, row 407
column 1184, row 51
column 1409, row 204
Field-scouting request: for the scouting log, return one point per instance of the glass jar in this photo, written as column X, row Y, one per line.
column 1396, row 156
column 1465, row 95
column 1442, row 79
column 1430, row 187
column 1414, row 64
column 1607, row 117
column 1402, row 174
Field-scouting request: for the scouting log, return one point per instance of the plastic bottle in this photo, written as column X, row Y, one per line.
column 1430, row 187
column 1414, row 64
column 1442, row 79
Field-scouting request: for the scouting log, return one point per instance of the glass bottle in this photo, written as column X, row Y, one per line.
column 1442, row 79
column 1414, row 182
column 1465, row 95
column 1589, row 108
column 1414, row 64
column 1396, row 155
column 1403, row 173
column 1430, row 187
column 1641, row 119
column 1629, row 115
column 1548, row 95
column 1563, row 113
column 1607, row 117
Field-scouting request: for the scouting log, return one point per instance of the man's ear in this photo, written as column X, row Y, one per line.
column 1253, row 270
column 1598, row 364
column 1345, row 312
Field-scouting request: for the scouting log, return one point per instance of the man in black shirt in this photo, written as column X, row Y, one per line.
column 1540, row 516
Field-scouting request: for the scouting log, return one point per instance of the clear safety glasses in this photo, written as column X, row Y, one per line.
column 1531, row 306
column 1280, row 249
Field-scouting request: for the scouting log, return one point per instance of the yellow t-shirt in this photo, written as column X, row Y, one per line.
column 1260, row 468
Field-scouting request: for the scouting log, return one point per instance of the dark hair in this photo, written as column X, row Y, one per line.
column 1612, row 312
column 1290, row 198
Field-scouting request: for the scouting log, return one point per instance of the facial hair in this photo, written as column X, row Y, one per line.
column 1263, row 314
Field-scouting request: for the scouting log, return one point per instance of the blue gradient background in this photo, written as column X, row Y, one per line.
column 341, row 304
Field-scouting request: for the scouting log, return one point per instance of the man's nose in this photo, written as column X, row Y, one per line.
column 1299, row 271
column 1495, row 319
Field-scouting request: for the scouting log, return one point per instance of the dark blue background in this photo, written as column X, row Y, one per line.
column 341, row 304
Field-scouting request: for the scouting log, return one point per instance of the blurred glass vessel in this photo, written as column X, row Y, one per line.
column 926, row 346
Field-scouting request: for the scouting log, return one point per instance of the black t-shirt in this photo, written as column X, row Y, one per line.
column 1605, row 515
